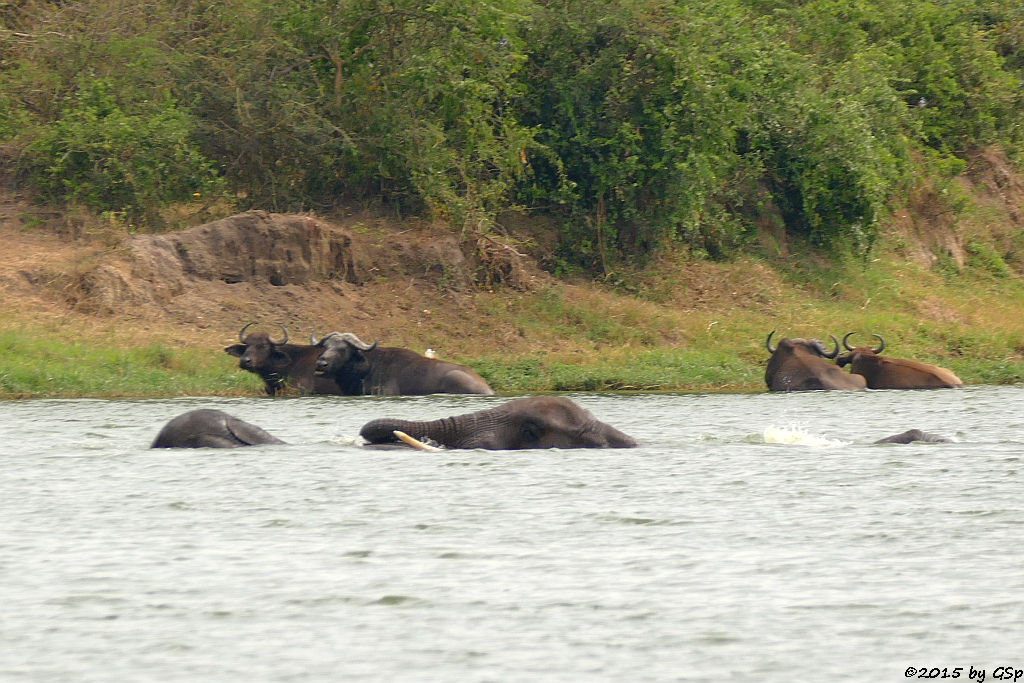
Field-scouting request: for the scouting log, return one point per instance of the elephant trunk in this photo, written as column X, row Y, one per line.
column 441, row 431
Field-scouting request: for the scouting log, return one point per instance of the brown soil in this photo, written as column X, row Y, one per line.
column 404, row 282
column 931, row 230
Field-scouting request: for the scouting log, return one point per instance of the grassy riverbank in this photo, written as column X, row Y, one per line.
column 681, row 326
column 571, row 196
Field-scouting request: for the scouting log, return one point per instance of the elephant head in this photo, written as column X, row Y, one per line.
column 533, row 422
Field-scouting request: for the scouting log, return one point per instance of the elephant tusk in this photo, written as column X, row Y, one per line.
column 414, row 443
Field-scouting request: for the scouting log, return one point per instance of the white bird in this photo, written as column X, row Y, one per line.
column 429, row 353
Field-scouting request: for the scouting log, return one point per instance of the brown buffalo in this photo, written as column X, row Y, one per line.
column 362, row 369
column 281, row 364
column 882, row 372
column 800, row 365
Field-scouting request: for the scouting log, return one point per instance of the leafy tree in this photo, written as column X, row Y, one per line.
column 112, row 160
column 632, row 122
column 624, row 96
column 363, row 99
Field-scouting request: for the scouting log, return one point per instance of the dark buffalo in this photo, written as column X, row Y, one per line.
column 882, row 372
column 800, row 365
column 208, row 428
column 281, row 364
column 362, row 369
column 533, row 422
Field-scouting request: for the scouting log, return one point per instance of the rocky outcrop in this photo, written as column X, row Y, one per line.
column 281, row 249
column 247, row 255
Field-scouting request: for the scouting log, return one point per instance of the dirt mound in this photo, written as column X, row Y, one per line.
column 256, row 245
column 941, row 220
column 404, row 281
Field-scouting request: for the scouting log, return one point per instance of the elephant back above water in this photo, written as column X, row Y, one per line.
column 207, row 428
column 533, row 422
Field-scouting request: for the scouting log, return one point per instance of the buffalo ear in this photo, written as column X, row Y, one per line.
column 236, row 350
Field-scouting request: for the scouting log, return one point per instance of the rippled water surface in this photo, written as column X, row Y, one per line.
column 707, row 554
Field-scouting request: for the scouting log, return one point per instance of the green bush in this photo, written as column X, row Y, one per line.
column 630, row 122
column 98, row 154
column 625, row 96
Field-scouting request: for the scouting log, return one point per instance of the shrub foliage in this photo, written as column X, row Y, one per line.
column 630, row 122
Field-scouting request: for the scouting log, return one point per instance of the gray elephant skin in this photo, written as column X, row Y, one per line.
column 914, row 435
column 533, row 422
column 207, row 428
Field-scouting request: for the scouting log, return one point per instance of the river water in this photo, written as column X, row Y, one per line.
column 707, row 554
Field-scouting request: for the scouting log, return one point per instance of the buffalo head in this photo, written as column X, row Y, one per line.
column 799, row 365
column 813, row 346
column 257, row 352
column 343, row 356
column 854, row 352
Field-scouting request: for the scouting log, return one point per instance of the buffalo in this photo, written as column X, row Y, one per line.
column 361, row 369
column 206, row 428
column 882, row 372
column 281, row 364
column 800, row 365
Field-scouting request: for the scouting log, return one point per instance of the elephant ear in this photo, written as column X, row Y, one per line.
column 249, row 434
column 529, row 432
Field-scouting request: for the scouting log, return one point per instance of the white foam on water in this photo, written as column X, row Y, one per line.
column 797, row 436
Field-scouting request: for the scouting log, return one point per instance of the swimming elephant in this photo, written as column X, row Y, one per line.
column 533, row 422
column 206, row 428
column 912, row 435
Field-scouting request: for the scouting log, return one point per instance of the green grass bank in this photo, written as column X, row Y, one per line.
column 585, row 337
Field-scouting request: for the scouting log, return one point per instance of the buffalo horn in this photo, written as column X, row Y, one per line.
column 285, row 330
column 356, row 341
column 835, row 350
column 768, row 342
column 241, row 333
column 415, row 443
column 881, row 346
